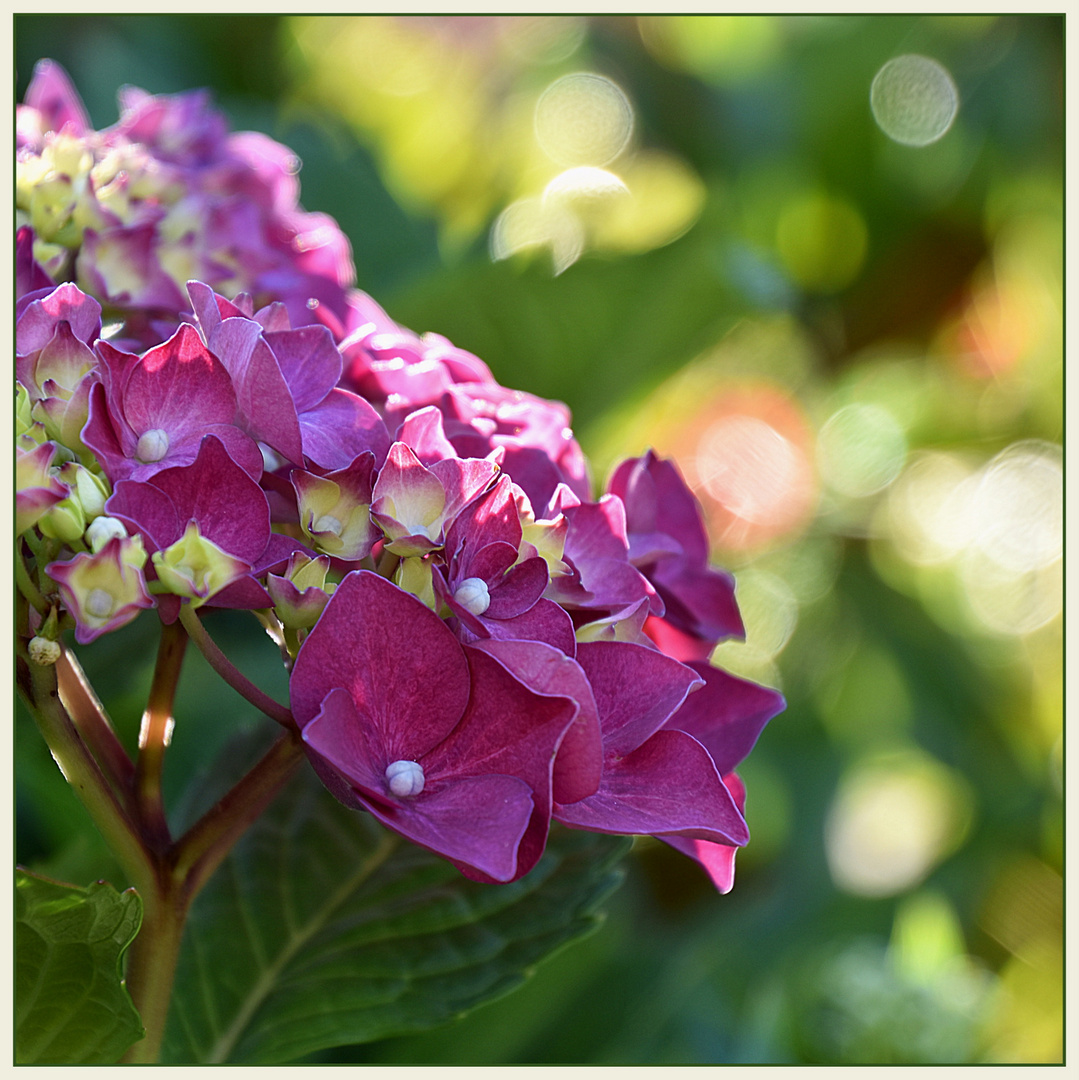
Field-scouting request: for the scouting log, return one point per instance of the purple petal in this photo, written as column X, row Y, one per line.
column 726, row 715
column 340, row 428
column 66, row 303
column 543, row 622
column 422, row 431
column 636, row 690
column 666, row 786
column 518, row 590
column 146, row 509
column 716, row 859
column 397, row 659
column 309, row 362
column 179, row 386
column 229, row 507
column 262, row 395
column 476, row 822
column 51, row 93
column 544, row 670
column 511, row 731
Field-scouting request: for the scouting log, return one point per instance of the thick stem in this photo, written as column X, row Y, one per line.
column 156, row 733
column 224, row 667
column 93, row 724
column 151, row 963
column 198, row 853
column 186, row 868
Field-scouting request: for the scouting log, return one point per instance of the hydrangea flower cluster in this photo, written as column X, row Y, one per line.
column 477, row 646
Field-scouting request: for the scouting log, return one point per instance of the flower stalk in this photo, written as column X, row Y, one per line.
column 225, row 668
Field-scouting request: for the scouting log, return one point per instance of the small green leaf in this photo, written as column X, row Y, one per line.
column 322, row 929
column 71, row 1007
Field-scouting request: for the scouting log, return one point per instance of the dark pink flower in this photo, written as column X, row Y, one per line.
column 669, row 545
column 151, row 412
column 440, row 742
column 491, row 593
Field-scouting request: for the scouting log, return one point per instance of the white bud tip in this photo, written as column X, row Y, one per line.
column 43, row 651
column 473, row 595
column 405, row 778
column 103, row 529
column 152, row 446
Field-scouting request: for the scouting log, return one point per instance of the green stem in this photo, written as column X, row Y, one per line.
column 156, row 733
column 27, row 587
column 93, row 724
column 224, row 667
column 38, row 685
column 198, row 853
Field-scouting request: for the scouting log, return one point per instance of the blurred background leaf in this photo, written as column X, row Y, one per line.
column 841, row 309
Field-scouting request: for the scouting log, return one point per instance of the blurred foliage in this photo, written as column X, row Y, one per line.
column 853, row 347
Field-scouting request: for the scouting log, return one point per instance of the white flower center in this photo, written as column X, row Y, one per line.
column 99, row 603
column 327, row 523
column 152, row 446
column 473, row 595
column 405, row 777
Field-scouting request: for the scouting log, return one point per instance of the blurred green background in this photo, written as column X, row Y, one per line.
column 819, row 260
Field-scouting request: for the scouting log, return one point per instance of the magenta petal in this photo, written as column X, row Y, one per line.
column 477, row 822
column 339, row 735
column 545, row 670
column 726, row 715
column 179, row 385
column 422, row 432
column 716, row 859
column 262, row 395
column 509, row 730
column 698, row 600
column 543, row 622
column 144, row 508
column 230, row 508
column 37, row 322
column 309, row 362
column 462, row 479
column 518, row 590
column 52, row 94
column 666, row 786
column 636, row 690
column 399, row 661
column 340, row 428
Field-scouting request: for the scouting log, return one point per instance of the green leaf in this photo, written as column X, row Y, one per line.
column 71, row 1007
column 323, row 929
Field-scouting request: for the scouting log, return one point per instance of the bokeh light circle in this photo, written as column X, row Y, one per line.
column 1020, row 507
column 914, row 100
column 861, row 450
column 583, row 119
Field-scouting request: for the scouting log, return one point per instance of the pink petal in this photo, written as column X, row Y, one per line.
column 636, row 690
column 399, row 662
column 545, row 670
column 726, row 715
column 666, row 786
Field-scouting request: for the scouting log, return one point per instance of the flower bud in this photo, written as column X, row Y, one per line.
column 301, row 594
column 43, row 651
column 103, row 529
column 103, row 591
column 196, row 567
